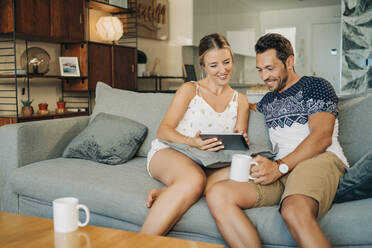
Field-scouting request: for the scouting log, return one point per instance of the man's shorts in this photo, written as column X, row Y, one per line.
column 317, row 178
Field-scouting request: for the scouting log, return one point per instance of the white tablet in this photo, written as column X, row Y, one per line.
column 231, row 141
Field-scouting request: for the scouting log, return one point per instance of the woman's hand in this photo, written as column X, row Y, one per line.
column 245, row 135
column 212, row 144
column 246, row 138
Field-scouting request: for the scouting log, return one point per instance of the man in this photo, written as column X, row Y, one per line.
column 301, row 114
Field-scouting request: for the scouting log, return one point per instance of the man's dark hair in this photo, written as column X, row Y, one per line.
column 278, row 42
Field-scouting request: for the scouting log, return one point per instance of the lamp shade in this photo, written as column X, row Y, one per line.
column 109, row 28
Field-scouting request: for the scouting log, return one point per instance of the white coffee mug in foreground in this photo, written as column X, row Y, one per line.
column 241, row 168
column 66, row 214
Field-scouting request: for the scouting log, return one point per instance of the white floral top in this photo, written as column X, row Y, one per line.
column 201, row 116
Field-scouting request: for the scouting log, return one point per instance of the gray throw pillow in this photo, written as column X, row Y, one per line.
column 356, row 184
column 108, row 139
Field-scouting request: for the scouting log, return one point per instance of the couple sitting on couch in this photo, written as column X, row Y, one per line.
column 300, row 113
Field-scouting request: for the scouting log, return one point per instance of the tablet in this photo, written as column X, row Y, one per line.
column 231, row 141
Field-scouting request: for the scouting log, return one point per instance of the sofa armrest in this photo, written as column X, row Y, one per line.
column 25, row 143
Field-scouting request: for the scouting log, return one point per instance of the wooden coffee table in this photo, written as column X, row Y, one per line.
column 28, row 231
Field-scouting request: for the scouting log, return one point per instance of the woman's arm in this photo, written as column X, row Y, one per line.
column 167, row 128
column 241, row 125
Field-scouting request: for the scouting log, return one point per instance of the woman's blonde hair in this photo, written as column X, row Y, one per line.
column 212, row 41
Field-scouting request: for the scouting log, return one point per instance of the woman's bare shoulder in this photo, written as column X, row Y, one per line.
column 188, row 88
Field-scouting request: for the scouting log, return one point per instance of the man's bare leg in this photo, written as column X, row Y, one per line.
column 299, row 212
column 226, row 199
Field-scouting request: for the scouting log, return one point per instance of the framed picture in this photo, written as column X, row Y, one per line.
column 119, row 3
column 153, row 19
column 69, row 66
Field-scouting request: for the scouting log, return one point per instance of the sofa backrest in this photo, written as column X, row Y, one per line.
column 355, row 126
column 355, row 118
column 150, row 108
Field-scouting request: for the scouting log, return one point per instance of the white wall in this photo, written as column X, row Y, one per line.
column 180, row 34
column 302, row 19
column 219, row 16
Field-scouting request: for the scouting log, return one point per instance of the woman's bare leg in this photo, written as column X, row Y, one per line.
column 226, row 199
column 185, row 182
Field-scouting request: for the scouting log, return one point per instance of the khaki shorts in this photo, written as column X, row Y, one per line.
column 317, row 178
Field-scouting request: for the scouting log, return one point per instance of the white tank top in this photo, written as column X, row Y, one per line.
column 201, row 116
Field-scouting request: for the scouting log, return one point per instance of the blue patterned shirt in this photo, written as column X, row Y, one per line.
column 287, row 113
column 308, row 96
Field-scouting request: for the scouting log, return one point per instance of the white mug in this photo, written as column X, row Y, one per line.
column 240, row 169
column 66, row 214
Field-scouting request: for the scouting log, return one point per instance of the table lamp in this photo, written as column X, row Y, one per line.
column 109, row 28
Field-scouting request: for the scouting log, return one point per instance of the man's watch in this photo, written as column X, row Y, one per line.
column 283, row 167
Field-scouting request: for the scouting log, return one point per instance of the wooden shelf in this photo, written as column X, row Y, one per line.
column 108, row 8
column 38, row 76
column 50, row 115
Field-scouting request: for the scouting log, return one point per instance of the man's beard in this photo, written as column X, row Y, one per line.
column 282, row 82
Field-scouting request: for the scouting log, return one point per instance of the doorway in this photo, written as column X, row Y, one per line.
column 326, row 52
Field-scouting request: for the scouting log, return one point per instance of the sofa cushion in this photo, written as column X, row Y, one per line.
column 108, row 139
column 355, row 132
column 357, row 182
column 146, row 108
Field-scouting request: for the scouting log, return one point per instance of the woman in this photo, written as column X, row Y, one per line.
column 209, row 105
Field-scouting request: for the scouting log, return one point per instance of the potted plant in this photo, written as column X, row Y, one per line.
column 141, row 63
column 27, row 109
column 43, row 108
column 61, row 105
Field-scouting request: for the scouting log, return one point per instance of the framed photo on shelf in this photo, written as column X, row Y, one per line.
column 69, row 66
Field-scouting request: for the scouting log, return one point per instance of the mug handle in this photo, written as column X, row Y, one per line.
column 87, row 213
column 250, row 177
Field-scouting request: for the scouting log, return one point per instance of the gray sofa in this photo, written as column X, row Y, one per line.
column 33, row 174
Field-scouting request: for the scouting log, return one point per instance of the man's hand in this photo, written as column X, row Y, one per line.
column 266, row 171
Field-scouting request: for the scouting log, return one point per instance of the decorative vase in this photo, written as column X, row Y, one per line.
column 61, row 107
column 43, row 108
column 27, row 110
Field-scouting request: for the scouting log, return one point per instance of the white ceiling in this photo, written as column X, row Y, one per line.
column 264, row 5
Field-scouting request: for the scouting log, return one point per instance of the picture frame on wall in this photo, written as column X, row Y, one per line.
column 153, row 19
column 69, row 66
column 119, row 3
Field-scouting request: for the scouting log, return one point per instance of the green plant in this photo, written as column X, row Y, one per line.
column 141, row 57
column 27, row 103
column 60, row 99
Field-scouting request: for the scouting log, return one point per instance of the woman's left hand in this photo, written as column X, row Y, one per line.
column 246, row 138
column 244, row 134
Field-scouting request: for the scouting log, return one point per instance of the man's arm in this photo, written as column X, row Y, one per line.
column 321, row 126
column 252, row 106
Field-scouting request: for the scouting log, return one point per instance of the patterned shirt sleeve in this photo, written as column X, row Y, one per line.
column 261, row 103
column 321, row 97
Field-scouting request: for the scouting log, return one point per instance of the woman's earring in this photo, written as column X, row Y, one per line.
column 202, row 74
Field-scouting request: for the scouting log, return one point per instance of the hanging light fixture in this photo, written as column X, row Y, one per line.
column 109, row 28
